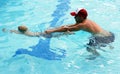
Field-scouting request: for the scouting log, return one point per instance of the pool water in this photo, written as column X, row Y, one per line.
column 20, row 54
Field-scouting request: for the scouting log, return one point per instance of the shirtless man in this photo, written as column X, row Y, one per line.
column 100, row 37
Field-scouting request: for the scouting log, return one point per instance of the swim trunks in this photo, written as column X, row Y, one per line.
column 101, row 41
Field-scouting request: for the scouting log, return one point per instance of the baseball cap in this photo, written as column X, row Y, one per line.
column 80, row 12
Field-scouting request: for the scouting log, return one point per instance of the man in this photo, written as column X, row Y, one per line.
column 100, row 37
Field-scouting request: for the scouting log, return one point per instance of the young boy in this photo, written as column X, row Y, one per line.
column 23, row 30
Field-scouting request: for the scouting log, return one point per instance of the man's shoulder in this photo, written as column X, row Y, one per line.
column 88, row 20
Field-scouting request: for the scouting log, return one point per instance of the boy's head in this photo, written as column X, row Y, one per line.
column 22, row 28
column 80, row 12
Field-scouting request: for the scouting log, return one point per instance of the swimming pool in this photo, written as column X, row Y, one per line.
column 65, row 55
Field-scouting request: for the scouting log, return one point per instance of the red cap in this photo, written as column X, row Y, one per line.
column 80, row 12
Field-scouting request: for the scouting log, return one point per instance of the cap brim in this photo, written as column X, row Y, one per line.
column 72, row 13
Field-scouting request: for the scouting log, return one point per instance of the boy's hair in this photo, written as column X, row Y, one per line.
column 22, row 29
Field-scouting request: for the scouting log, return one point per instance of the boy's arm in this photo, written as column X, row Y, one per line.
column 69, row 25
column 11, row 31
column 15, row 31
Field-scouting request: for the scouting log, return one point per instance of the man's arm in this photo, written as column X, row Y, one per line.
column 70, row 25
column 75, row 27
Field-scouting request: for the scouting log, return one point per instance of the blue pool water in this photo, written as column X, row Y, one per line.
column 20, row 54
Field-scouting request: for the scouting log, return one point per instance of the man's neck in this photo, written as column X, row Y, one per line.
column 81, row 21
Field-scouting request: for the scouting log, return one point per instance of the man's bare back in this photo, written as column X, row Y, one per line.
column 93, row 28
